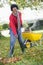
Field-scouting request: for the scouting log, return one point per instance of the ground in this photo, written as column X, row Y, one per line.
column 32, row 56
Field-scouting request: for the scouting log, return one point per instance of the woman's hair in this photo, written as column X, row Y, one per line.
column 14, row 5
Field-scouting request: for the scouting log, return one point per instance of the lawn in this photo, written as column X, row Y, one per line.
column 32, row 56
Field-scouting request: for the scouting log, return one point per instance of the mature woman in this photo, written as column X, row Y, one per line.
column 15, row 28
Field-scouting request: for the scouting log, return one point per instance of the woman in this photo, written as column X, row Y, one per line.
column 15, row 28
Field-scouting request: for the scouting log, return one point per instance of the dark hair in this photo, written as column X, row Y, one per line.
column 14, row 5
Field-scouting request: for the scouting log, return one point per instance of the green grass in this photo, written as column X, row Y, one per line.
column 32, row 56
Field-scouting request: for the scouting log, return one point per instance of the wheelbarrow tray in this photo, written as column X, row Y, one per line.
column 32, row 36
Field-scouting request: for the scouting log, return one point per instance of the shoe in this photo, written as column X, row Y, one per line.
column 22, row 49
column 10, row 55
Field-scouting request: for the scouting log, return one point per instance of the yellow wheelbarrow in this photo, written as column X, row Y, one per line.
column 32, row 37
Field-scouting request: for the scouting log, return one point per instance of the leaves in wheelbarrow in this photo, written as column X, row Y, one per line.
column 8, row 60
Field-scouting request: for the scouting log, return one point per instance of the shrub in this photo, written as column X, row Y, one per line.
column 0, row 35
column 0, row 27
column 5, row 26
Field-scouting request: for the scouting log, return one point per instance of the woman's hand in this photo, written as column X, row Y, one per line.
column 16, row 36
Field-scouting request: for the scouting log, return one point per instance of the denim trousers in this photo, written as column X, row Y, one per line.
column 13, row 41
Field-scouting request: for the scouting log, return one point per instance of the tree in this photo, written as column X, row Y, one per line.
column 26, row 3
column 21, row 3
column 42, row 0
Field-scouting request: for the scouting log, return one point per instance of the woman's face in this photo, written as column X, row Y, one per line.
column 15, row 10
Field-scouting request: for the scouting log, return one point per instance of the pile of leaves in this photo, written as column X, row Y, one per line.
column 9, row 60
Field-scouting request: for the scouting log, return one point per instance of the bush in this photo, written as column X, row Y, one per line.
column 39, row 25
column 0, row 27
column 5, row 26
column 0, row 35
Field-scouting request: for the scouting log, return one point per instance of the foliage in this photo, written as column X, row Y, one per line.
column 0, row 27
column 39, row 25
column 0, row 35
column 35, row 3
column 42, row 0
column 5, row 26
column 23, row 3
column 1, row 5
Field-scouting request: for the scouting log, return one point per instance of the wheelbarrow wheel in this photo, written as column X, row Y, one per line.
column 27, row 44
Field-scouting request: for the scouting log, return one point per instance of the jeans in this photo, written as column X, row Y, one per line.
column 13, row 40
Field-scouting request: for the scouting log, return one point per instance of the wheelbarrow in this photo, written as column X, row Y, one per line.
column 32, row 37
